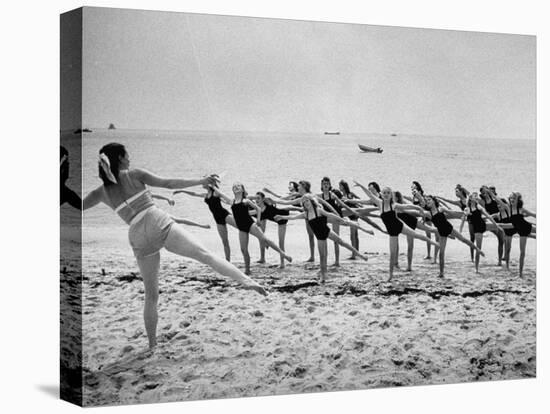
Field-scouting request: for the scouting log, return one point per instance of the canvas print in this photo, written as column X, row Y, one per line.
column 259, row 206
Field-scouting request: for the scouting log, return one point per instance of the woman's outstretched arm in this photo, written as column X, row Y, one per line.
column 453, row 202
column 529, row 213
column 222, row 196
column 93, row 198
column 154, row 180
column 372, row 197
column 191, row 193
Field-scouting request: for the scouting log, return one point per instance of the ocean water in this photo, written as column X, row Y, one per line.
column 272, row 159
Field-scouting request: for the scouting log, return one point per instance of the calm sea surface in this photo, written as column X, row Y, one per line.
column 272, row 159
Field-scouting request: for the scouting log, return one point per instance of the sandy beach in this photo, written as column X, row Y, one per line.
column 357, row 331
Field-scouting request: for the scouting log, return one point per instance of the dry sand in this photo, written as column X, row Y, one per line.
column 217, row 340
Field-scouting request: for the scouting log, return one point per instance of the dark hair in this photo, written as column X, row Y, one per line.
column 294, row 185
column 345, row 186
column 306, row 184
column 504, row 200
column 418, row 187
column 375, row 185
column 260, row 193
column 463, row 191
column 327, row 180
column 114, row 152
column 398, row 197
column 63, row 151
column 520, row 200
column 435, row 200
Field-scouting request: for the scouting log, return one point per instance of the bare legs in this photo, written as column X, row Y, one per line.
column 257, row 232
column 322, row 246
column 460, row 237
column 222, row 231
column 407, row 231
column 336, row 230
column 337, row 239
column 262, row 244
column 149, row 269
column 472, row 239
column 282, row 234
column 428, row 247
column 522, row 243
column 394, row 243
column 479, row 243
column 410, row 248
column 442, row 246
column 507, row 248
column 354, row 238
column 311, row 237
column 243, row 241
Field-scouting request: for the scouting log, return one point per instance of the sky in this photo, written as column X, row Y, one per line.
column 165, row 70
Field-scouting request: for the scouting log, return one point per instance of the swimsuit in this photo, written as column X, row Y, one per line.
column 215, row 206
column 394, row 226
column 408, row 219
column 477, row 221
column 242, row 216
column 333, row 203
column 444, row 228
column 522, row 226
column 507, row 232
column 492, row 207
column 319, row 226
column 463, row 207
column 271, row 211
column 149, row 225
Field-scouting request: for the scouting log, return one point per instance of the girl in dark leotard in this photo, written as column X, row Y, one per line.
column 240, row 207
column 462, row 195
column 488, row 197
column 522, row 226
column 66, row 194
column 268, row 212
column 477, row 214
column 347, row 197
column 394, row 226
column 438, row 216
column 318, row 219
column 330, row 196
column 410, row 218
column 222, row 217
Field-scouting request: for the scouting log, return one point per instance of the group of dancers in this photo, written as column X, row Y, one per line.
column 126, row 191
column 483, row 211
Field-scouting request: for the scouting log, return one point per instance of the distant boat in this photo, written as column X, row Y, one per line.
column 393, row 135
column 365, row 148
column 332, row 133
column 80, row 130
column 111, row 126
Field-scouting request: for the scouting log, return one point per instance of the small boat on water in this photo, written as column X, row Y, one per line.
column 365, row 148
column 80, row 130
column 332, row 133
column 111, row 126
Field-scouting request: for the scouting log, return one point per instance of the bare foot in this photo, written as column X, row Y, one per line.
column 428, row 257
column 441, row 275
column 310, row 260
column 261, row 261
column 365, row 258
column 352, row 258
column 409, row 269
column 336, row 264
column 257, row 288
column 247, row 272
column 288, row 258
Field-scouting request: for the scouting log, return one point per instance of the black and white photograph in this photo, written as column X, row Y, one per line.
column 259, row 206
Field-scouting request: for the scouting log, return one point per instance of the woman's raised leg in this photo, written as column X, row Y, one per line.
column 149, row 269
column 337, row 239
column 467, row 242
column 407, row 231
column 255, row 231
column 222, row 231
column 180, row 242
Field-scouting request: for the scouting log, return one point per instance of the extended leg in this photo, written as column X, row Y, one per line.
column 255, row 231
column 222, row 231
column 337, row 239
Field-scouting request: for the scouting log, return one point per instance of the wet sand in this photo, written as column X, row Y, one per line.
column 357, row 331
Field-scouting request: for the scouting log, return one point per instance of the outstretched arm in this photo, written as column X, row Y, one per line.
column 372, row 197
column 93, row 198
column 529, row 213
column 190, row 223
column 273, row 193
column 222, row 196
column 154, row 180
column 256, row 207
column 191, row 193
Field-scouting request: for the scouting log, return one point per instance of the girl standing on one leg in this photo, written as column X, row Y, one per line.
column 240, row 207
column 268, row 212
column 330, row 196
column 488, row 199
column 445, row 230
column 151, row 229
column 477, row 214
column 347, row 197
column 317, row 218
column 394, row 226
column 522, row 226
